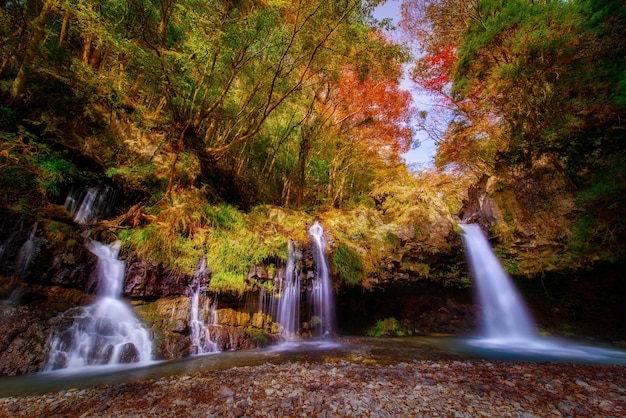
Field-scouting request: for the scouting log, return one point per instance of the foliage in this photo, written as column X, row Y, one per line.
column 348, row 264
column 601, row 231
column 30, row 172
column 389, row 327
column 524, row 82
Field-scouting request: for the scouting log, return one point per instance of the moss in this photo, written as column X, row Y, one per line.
column 389, row 327
column 348, row 265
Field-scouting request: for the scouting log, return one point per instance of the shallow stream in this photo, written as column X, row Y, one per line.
column 351, row 349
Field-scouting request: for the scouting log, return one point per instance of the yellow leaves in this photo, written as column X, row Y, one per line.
column 277, row 3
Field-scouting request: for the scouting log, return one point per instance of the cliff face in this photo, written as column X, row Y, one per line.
column 396, row 246
column 529, row 215
column 405, row 253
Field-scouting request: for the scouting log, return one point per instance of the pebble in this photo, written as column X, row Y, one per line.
column 336, row 389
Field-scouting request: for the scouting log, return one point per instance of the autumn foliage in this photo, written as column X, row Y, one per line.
column 377, row 112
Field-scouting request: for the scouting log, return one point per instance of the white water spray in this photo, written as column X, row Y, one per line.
column 505, row 317
column 289, row 302
column 201, row 342
column 508, row 330
column 105, row 332
column 321, row 296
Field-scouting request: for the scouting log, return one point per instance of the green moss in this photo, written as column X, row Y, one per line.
column 348, row 265
column 389, row 327
column 392, row 240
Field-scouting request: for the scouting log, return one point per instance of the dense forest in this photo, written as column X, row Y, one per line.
column 228, row 126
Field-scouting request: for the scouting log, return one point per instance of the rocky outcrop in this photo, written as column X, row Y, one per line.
column 169, row 321
column 25, row 322
column 48, row 252
column 149, row 281
column 528, row 213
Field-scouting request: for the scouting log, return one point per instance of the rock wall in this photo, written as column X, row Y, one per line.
column 168, row 320
column 528, row 213
column 27, row 312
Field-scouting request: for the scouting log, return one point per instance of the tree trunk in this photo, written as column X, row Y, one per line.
column 19, row 83
column 179, row 148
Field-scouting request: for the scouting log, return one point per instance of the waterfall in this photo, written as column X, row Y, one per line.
column 321, row 295
column 105, row 332
column 505, row 316
column 508, row 330
column 289, row 302
column 92, row 204
column 201, row 342
column 26, row 253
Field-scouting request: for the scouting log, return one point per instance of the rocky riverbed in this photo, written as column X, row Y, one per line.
column 337, row 388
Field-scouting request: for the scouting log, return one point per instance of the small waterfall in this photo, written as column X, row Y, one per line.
column 288, row 314
column 321, row 295
column 92, row 205
column 201, row 342
column 105, row 332
column 505, row 316
column 26, row 253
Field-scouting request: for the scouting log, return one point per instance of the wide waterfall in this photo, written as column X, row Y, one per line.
column 288, row 315
column 201, row 342
column 508, row 330
column 505, row 317
column 321, row 295
column 105, row 332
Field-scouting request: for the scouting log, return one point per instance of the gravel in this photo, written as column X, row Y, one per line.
column 470, row 388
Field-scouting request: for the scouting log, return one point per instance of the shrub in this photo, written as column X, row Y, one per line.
column 348, row 264
column 389, row 327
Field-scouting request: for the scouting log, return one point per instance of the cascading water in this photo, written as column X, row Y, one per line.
column 321, row 295
column 508, row 330
column 505, row 317
column 201, row 342
column 92, row 204
column 288, row 314
column 26, row 252
column 105, row 332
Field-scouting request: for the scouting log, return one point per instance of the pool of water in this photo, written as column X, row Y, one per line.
column 360, row 350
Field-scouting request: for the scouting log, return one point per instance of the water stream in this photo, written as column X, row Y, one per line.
column 201, row 342
column 321, row 295
column 508, row 329
column 26, row 253
column 288, row 315
column 91, row 205
column 105, row 332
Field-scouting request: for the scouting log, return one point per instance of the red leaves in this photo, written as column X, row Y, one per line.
column 435, row 71
column 376, row 112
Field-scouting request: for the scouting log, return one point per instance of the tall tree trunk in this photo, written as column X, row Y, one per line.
column 179, row 148
column 19, row 83
column 64, row 26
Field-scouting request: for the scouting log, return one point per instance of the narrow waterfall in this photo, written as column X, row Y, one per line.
column 105, row 332
column 201, row 342
column 91, row 205
column 26, row 253
column 321, row 295
column 288, row 314
column 505, row 317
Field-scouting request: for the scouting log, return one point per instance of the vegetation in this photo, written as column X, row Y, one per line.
column 389, row 327
column 231, row 125
column 526, row 83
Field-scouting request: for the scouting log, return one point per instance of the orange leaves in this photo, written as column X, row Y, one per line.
column 375, row 113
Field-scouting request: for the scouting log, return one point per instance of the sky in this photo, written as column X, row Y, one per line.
column 423, row 155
